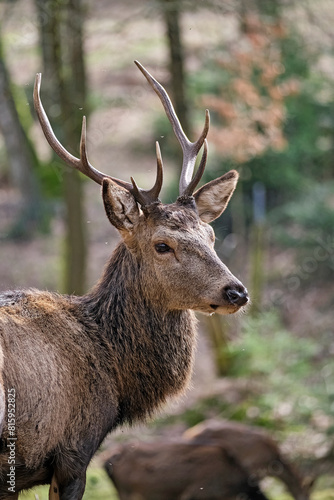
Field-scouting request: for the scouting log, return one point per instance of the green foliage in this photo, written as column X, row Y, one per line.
column 290, row 380
column 286, row 173
column 291, row 367
column 98, row 487
column 312, row 214
column 296, row 59
column 308, row 125
column 278, row 356
column 50, row 177
column 21, row 99
column 327, row 494
column 306, row 225
column 210, row 80
column 48, row 174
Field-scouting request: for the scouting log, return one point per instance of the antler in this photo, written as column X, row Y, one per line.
column 142, row 196
column 190, row 149
column 146, row 197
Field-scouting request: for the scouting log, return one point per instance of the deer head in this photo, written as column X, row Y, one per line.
column 173, row 243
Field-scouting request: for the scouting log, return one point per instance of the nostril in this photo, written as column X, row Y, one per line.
column 233, row 295
column 238, row 297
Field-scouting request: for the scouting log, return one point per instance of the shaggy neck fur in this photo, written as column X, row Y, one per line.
column 151, row 347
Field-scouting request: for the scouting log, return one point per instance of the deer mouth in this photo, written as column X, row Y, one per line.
column 223, row 309
column 233, row 298
column 210, row 309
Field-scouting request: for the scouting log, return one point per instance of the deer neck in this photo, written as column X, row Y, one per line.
column 153, row 346
column 123, row 293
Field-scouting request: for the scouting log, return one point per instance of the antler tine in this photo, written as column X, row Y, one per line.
column 58, row 148
column 146, row 197
column 200, row 171
column 190, row 149
column 189, row 161
column 85, row 166
column 82, row 164
column 47, row 129
column 155, row 191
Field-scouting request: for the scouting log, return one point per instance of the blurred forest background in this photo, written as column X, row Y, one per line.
column 265, row 70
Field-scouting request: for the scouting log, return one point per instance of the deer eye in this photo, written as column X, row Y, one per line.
column 162, row 248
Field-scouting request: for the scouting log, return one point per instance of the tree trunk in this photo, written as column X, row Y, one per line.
column 61, row 37
column 20, row 157
column 258, row 246
column 171, row 13
column 49, row 20
column 217, row 328
column 76, row 241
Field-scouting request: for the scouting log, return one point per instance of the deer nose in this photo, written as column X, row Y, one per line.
column 237, row 295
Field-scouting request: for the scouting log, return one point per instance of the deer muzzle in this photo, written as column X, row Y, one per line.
column 237, row 295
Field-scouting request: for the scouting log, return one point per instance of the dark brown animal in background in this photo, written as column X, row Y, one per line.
column 80, row 366
column 179, row 471
column 254, row 449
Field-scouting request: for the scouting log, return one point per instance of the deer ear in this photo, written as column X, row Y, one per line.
column 212, row 198
column 120, row 206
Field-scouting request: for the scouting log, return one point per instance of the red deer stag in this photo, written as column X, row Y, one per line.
column 77, row 367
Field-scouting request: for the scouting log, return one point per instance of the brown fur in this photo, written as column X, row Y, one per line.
column 80, row 366
column 179, row 471
column 254, row 449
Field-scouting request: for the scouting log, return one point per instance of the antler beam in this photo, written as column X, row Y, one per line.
column 190, row 149
column 143, row 197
